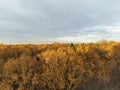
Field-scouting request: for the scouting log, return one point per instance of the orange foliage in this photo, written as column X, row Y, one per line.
column 59, row 66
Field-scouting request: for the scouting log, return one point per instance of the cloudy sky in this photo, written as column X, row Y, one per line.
column 47, row 21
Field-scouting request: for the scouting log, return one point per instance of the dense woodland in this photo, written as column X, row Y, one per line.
column 92, row 66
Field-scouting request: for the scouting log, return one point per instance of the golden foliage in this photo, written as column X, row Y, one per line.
column 60, row 66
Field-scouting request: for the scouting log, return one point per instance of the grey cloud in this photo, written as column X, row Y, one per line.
column 46, row 20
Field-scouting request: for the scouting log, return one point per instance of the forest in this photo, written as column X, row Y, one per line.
column 60, row 66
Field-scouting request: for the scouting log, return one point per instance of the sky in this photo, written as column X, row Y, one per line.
column 65, row 21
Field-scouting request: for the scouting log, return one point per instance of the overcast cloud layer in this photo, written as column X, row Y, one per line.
column 47, row 21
